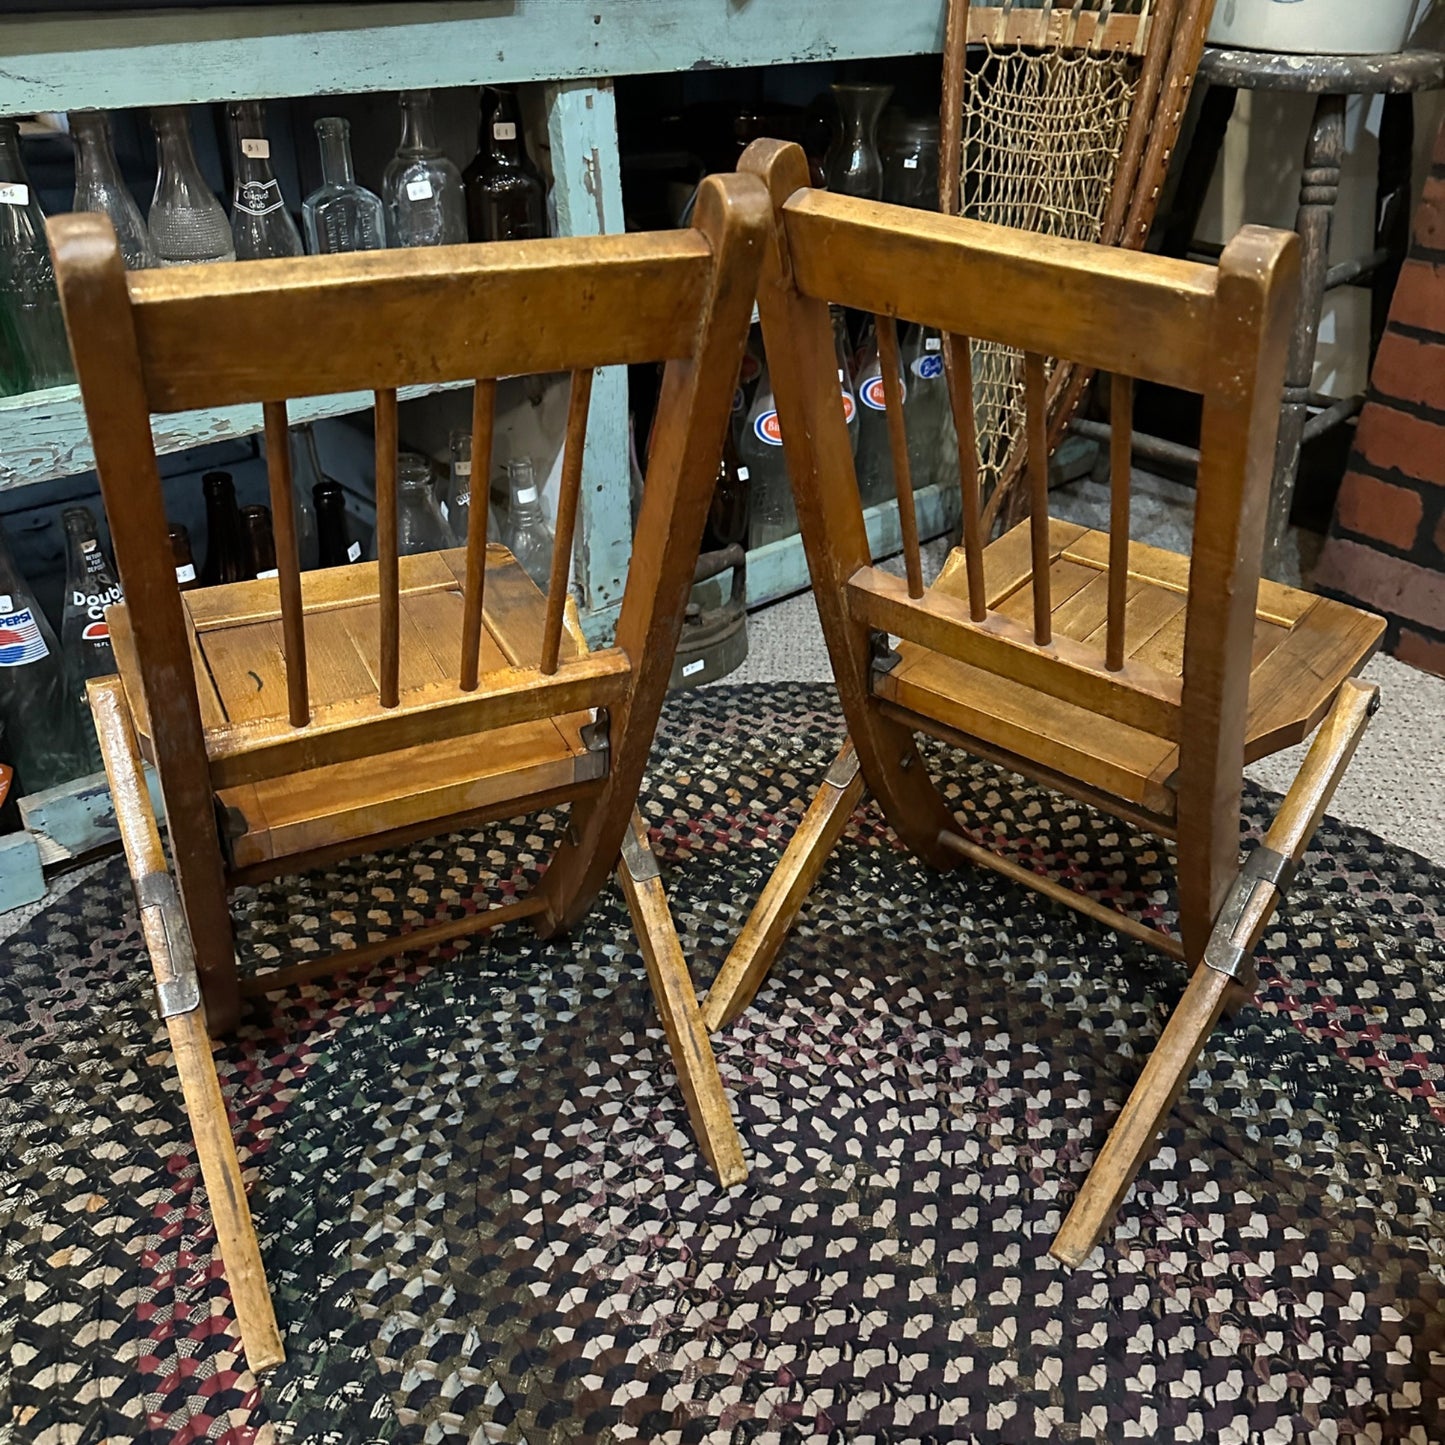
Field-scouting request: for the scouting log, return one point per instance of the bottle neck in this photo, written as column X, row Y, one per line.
column 252, row 149
column 94, row 154
column 418, row 132
column 334, row 138
column 503, row 138
column 177, row 159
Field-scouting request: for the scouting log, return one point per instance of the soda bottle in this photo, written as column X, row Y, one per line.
column 335, row 547
column 99, row 186
column 187, row 223
column 419, row 523
column 90, row 587
column 225, row 535
column 932, row 440
column 261, row 226
column 529, row 538
column 260, row 542
column 772, row 514
column 845, row 373
column 185, row 563
column 457, row 499
column 41, row 722
column 874, row 457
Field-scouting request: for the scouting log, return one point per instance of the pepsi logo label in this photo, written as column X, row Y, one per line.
column 20, row 639
column 95, row 632
column 928, row 367
column 767, row 428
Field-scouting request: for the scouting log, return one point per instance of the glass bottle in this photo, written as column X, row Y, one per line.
column 335, row 546
column 771, row 513
column 932, row 440
column 306, row 476
column 261, row 226
column 260, row 542
column 340, row 215
column 14, row 374
column 425, row 201
column 90, row 587
column 529, row 538
column 185, row 562
column 27, row 279
column 419, row 523
column 852, row 166
column 100, row 187
column 910, row 165
column 845, row 376
column 506, row 200
column 41, row 725
column 874, row 465
column 727, row 513
column 187, row 223
column 457, row 499
column 225, row 536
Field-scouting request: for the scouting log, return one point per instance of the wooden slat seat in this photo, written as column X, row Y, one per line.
column 1304, row 648
column 238, row 654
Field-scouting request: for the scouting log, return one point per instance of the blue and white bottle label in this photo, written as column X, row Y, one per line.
column 20, row 639
column 767, row 428
column 875, row 396
column 928, row 367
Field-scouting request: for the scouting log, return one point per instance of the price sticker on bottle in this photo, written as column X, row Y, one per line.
column 353, row 552
column 14, row 193
column 186, row 572
column 933, row 343
column 527, row 494
column 691, row 669
column 418, row 190
column 269, row 572
column 464, row 469
column 258, row 150
column 910, row 163
column 742, row 474
column 505, row 130
column 6, row 602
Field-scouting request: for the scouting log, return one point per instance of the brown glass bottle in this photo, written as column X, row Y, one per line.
column 727, row 514
column 506, row 200
column 186, row 576
column 260, row 543
column 333, row 538
column 225, row 539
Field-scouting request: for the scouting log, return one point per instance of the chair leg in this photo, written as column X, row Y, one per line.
column 168, row 941
column 702, row 1086
column 1224, row 979
column 752, row 955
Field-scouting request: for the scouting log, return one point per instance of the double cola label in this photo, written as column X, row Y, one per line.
column 86, row 600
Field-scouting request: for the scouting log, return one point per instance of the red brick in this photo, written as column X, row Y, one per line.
column 1410, row 370
column 1391, row 439
column 1386, row 584
column 1426, row 653
column 1376, row 509
column 1420, row 297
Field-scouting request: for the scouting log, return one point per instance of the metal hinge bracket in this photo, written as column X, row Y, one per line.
column 1227, row 952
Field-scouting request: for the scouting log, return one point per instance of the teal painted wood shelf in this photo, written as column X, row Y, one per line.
column 118, row 61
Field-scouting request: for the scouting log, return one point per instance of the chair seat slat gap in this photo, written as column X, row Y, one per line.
column 1036, row 430
column 892, row 372
column 1121, row 420
column 484, row 410
column 567, row 499
column 387, row 581
column 288, row 565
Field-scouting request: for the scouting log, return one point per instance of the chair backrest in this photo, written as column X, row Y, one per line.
column 1219, row 332
column 266, row 331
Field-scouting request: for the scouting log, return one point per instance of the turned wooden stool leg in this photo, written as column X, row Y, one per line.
column 1319, row 190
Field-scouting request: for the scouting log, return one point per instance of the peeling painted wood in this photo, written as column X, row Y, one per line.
column 43, row 433
column 114, row 61
column 21, row 878
column 77, row 817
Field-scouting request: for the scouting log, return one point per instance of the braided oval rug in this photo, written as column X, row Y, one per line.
column 484, row 1218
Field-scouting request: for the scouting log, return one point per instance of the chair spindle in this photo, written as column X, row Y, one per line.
column 388, row 582
column 484, row 410
column 1036, row 424
column 288, row 566
column 958, row 361
column 1121, row 422
column 892, row 372
column 567, row 499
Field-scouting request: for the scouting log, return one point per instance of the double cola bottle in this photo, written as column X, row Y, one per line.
column 90, row 587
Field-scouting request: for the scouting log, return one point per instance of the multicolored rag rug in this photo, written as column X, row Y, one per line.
column 484, row 1217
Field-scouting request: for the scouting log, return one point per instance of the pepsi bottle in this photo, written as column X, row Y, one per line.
column 41, row 724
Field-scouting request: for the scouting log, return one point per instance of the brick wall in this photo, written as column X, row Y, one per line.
column 1386, row 548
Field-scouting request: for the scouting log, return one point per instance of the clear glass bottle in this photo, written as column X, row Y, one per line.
column 771, row 513
column 261, row 226
column 425, row 200
column 874, row 465
column 306, row 476
column 419, row 523
column 90, row 587
column 457, row 498
column 932, row 440
column 529, row 538
column 506, row 200
column 187, row 223
column 910, row 164
column 27, row 279
column 845, row 374
column 853, row 166
column 41, row 734
column 14, row 373
column 340, row 215
column 100, row 187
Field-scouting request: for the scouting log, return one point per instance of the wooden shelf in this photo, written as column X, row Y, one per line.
column 43, row 433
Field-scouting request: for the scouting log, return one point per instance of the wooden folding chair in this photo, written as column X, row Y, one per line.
column 1131, row 678
column 304, row 718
